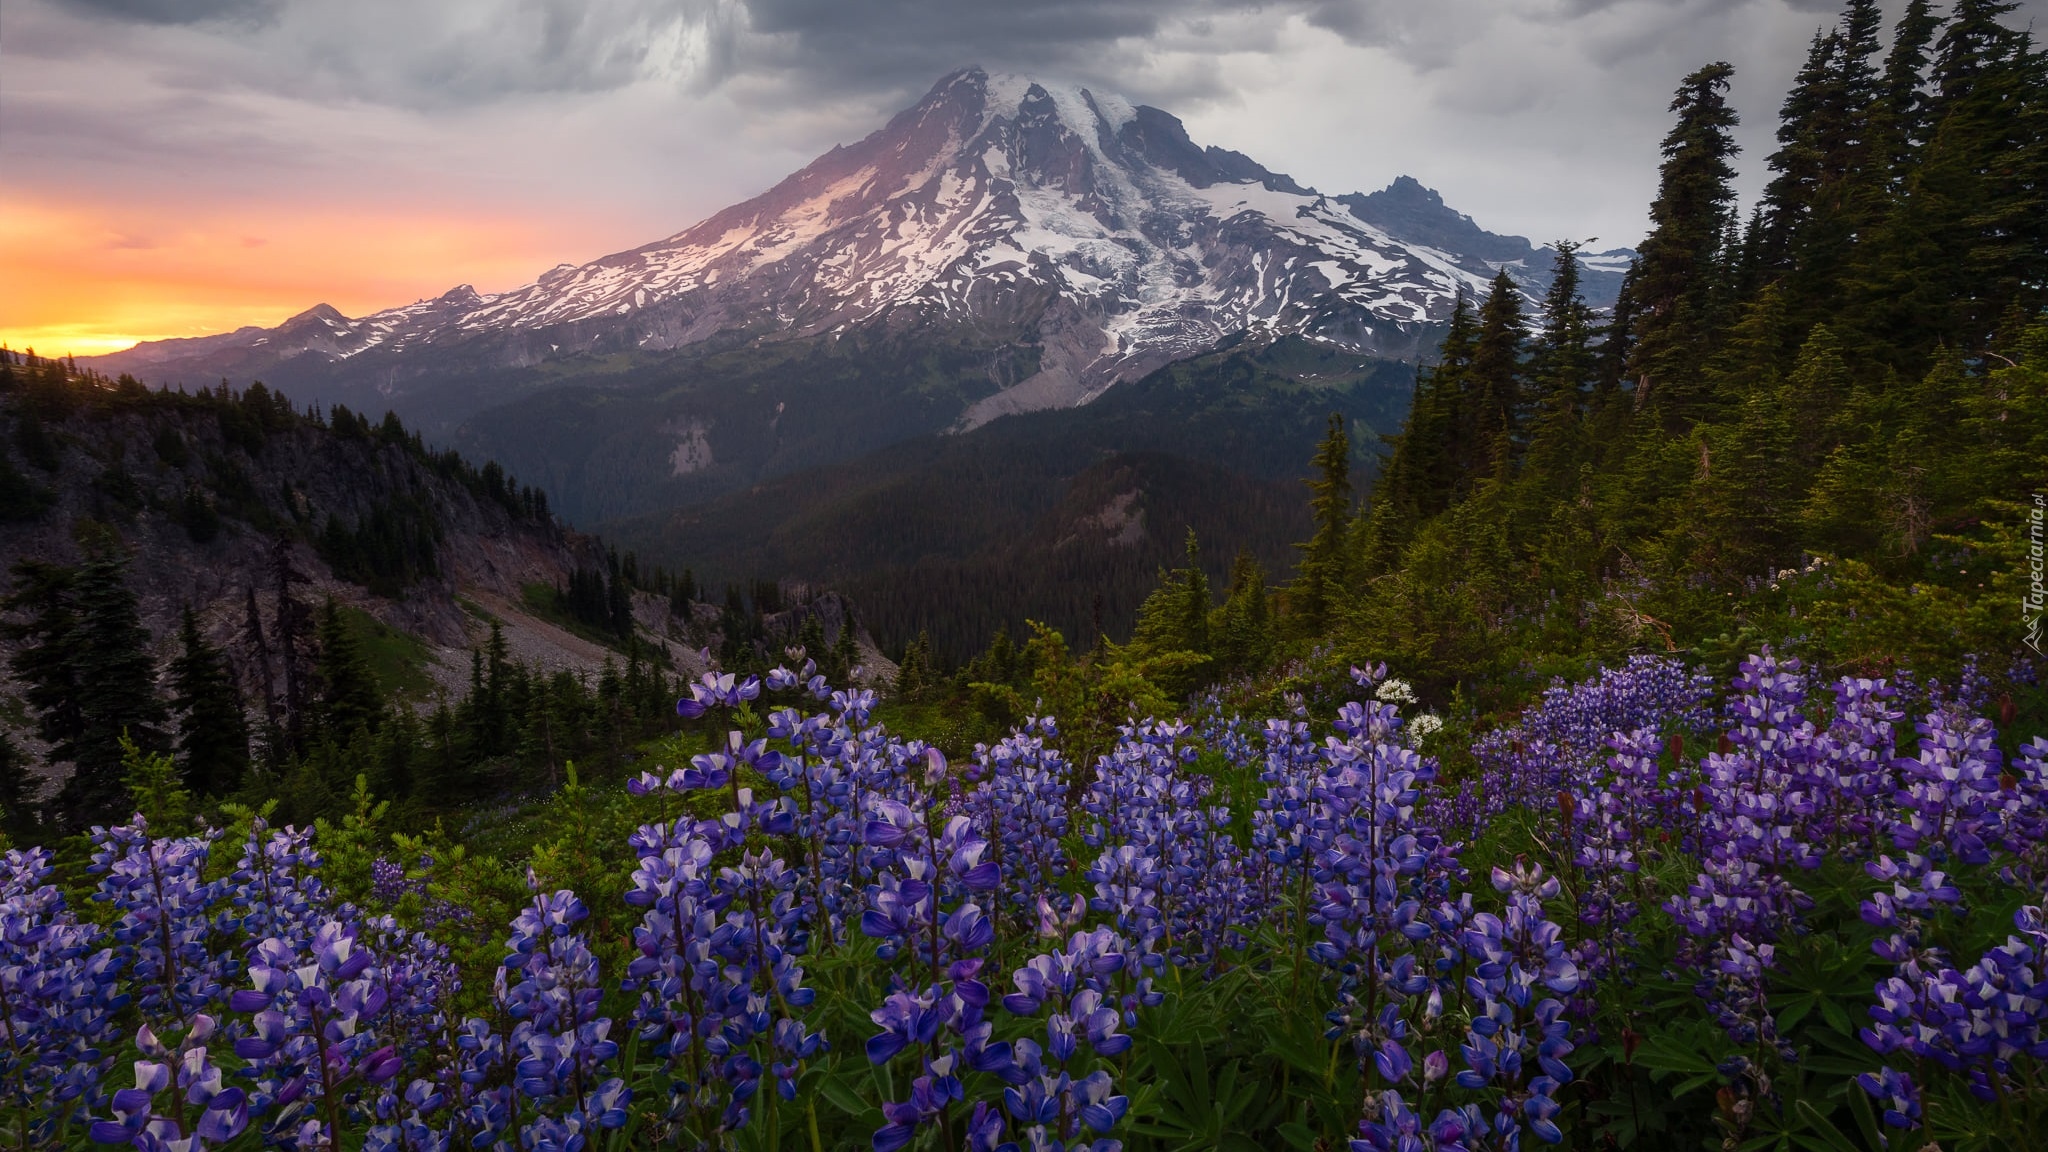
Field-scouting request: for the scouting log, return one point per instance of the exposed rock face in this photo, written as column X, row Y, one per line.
column 1062, row 217
column 113, row 471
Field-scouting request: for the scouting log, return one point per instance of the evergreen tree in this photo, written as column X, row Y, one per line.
column 154, row 789
column 213, row 734
column 683, row 594
column 537, row 732
column 20, row 499
column 116, row 680
column 440, row 774
column 349, row 699
column 1753, row 348
column 611, row 708
column 1617, row 347
column 17, row 790
column 914, row 672
column 1241, row 629
column 1968, row 235
column 490, row 712
column 1899, row 114
column 259, row 650
column 1493, row 383
column 1815, row 399
column 398, row 750
column 291, row 643
column 810, row 636
column 1809, row 115
column 618, row 598
column 44, row 657
column 1862, row 29
column 1423, row 469
column 197, row 514
column 1560, row 370
column 1446, row 456
column 1320, row 576
column 1175, row 617
column 845, row 653
column 1673, row 284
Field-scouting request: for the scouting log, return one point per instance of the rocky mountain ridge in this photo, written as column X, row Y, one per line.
column 1090, row 228
column 205, row 502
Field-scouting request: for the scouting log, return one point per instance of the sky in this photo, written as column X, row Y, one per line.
column 182, row 167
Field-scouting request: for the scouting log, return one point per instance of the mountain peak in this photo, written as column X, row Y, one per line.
column 1414, row 212
column 319, row 313
column 1023, row 209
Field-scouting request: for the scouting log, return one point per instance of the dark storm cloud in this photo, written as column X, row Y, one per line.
column 465, row 52
column 172, row 11
column 1537, row 116
column 895, row 41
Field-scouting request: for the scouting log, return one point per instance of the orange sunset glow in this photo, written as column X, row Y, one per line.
column 82, row 278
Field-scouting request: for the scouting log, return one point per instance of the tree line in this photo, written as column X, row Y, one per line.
column 1854, row 375
column 317, row 721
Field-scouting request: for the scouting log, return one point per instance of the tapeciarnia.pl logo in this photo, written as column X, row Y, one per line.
column 2032, row 604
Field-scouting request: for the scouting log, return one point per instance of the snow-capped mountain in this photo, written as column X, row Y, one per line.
column 1072, row 220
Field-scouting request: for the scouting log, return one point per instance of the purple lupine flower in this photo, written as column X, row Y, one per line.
column 167, row 912
column 559, row 1050
column 276, row 887
column 195, row 1111
column 59, row 993
column 717, row 690
column 313, row 1035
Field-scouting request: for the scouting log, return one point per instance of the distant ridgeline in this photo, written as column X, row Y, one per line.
column 384, row 546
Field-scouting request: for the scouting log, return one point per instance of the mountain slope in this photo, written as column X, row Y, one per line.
column 1089, row 229
column 1062, row 516
column 205, row 494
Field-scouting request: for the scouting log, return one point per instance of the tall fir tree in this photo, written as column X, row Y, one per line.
column 1678, row 270
column 1423, row 469
column 349, row 700
column 1493, row 382
column 845, row 651
column 1809, row 115
column 44, row 656
column 290, row 634
column 17, row 790
column 213, row 733
column 914, row 672
column 618, row 597
column 116, row 679
column 1319, row 579
column 1900, row 113
column 1561, row 369
column 1175, row 617
column 1241, row 629
column 1967, row 236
